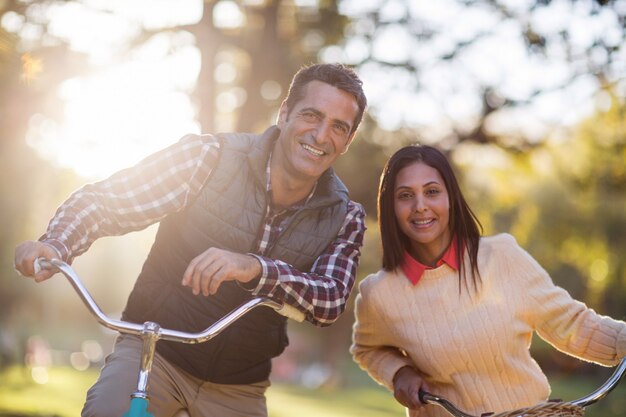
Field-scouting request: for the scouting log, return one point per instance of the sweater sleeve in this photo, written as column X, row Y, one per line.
column 567, row 324
column 371, row 348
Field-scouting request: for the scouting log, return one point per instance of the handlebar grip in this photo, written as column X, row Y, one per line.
column 428, row 398
column 420, row 395
column 291, row 313
column 41, row 263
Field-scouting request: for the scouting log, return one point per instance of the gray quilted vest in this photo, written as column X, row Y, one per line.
column 229, row 214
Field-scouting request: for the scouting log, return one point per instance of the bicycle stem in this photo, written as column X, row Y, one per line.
column 150, row 336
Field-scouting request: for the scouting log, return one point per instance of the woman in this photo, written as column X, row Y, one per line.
column 452, row 312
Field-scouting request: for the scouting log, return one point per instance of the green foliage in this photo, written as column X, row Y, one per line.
column 564, row 202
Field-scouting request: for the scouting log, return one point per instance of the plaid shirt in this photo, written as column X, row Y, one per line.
column 165, row 183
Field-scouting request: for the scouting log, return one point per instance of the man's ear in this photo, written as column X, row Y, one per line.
column 283, row 114
column 350, row 139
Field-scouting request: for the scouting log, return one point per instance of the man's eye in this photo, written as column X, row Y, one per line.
column 340, row 129
column 310, row 117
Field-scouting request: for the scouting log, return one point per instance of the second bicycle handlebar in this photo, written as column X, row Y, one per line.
column 598, row 394
column 166, row 334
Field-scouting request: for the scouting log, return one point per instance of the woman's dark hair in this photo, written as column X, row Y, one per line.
column 464, row 225
column 337, row 75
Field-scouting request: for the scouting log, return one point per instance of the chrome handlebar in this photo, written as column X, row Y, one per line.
column 166, row 334
column 601, row 392
column 151, row 332
column 605, row 388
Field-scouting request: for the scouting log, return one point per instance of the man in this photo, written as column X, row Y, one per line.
column 240, row 215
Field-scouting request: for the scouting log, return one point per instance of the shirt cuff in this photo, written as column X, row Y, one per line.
column 267, row 282
column 253, row 285
column 59, row 247
column 390, row 371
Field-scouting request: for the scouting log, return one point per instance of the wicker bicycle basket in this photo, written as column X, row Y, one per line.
column 546, row 409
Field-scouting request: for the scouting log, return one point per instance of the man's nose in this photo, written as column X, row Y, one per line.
column 322, row 132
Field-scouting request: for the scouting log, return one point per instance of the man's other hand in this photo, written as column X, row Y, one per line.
column 25, row 255
column 207, row 271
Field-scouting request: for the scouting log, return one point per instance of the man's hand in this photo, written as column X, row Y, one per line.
column 406, row 385
column 25, row 255
column 207, row 271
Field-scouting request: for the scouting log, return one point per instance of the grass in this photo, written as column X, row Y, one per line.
column 289, row 401
column 61, row 396
column 64, row 392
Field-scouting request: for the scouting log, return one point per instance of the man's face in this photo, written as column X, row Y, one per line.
column 315, row 131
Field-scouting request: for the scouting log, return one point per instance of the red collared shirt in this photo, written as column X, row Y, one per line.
column 414, row 269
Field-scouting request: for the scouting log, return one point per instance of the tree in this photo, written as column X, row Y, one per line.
column 259, row 53
column 564, row 202
column 25, row 83
column 270, row 42
column 26, row 90
column 486, row 71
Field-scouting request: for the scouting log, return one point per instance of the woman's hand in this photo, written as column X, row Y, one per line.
column 406, row 386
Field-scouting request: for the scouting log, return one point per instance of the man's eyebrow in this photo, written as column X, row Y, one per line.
column 312, row 110
column 344, row 124
column 322, row 115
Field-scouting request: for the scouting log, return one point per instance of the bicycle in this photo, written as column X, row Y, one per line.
column 550, row 408
column 151, row 332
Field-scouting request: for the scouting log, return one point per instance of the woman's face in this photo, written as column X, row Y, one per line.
column 422, row 209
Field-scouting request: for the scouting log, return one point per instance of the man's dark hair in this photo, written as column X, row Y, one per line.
column 464, row 226
column 337, row 75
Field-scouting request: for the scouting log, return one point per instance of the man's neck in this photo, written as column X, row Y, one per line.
column 288, row 191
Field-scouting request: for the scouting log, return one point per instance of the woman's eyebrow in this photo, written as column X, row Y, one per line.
column 434, row 182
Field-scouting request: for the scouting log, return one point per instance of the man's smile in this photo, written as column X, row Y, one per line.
column 314, row 151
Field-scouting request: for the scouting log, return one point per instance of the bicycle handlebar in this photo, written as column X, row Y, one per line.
column 605, row 388
column 428, row 398
column 166, row 334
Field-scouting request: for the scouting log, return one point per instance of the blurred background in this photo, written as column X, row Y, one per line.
column 526, row 97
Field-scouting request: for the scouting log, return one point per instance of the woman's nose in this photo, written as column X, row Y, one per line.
column 419, row 205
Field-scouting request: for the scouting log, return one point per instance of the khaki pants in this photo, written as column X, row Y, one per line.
column 169, row 389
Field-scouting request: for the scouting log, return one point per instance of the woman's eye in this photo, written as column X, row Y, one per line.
column 432, row 191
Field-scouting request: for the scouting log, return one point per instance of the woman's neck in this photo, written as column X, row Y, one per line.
column 428, row 254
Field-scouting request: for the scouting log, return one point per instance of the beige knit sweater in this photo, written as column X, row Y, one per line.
column 473, row 349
